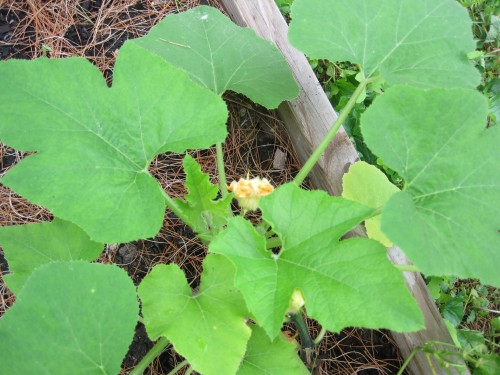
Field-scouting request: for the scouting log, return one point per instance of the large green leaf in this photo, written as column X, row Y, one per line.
column 366, row 184
column 208, row 328
column 70, row 318
column 221, row 56
column 203, row 213
column 344, row 283
column 266, row 357
column 447, row 218
column 94, row 143
column 27, row 247
column 422, row 43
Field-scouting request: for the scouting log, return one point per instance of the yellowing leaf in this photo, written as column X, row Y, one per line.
column 367, row 185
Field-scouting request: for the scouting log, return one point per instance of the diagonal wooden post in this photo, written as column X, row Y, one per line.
column 307, row 120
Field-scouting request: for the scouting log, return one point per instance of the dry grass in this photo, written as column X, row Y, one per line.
column 95, row 30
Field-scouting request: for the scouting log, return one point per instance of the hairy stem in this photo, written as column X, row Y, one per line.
column 313, row 159
column 220, row 168
column 154, row 352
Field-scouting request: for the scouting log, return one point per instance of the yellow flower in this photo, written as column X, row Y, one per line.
column 248, row 192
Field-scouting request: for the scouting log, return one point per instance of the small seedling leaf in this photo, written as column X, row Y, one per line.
column 94, row 143
column 338, row 279
column 421, row 43
column 447, row 218
column 264, row 357
column 221, row 56
column 203, row 213
column 366, row 184
column 207, row 328
column 70, row 318
column 30, row 246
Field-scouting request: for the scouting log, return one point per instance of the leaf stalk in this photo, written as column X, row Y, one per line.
column 174, row 207
column 221, row 170
column 313, row 159
column 154, row 352
column 320, row 336
column 178, row 367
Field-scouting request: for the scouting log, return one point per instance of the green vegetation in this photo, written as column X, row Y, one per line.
column 93, row 145
column 475, row 329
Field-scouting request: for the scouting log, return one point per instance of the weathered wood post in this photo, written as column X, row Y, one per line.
column 307, row 120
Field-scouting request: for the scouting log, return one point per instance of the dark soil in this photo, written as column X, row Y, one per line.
column 257, row 143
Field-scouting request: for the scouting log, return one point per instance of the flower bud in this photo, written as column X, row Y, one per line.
column 296, row 303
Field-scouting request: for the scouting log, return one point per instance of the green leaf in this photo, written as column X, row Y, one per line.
column 366, row 184
column 208, row 328
column 421, row 43
column 94, row 143
column 471, row 340
column 203, row 213
column 452, row 331
column 434, row 286
column 488, row 364
column 70, row 318
column 265, row 357
column 221, row 56
column 453, row 310
column 344, row 283
column 29, row 246
column 439, row 145
column 495, row 322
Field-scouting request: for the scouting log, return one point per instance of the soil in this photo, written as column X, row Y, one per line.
column 257, row 143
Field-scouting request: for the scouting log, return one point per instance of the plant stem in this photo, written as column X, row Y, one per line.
column 189, row 371
column 407, row 267
column 220, row 168
column 313, row 159
column 178, row 367
column 427, row 355
column 320, row 336
column 306, row 341
column 174, row 207
column 154, row 352
column 407, row 361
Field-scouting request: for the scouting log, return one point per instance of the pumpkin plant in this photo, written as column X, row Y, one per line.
column 92, row 145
